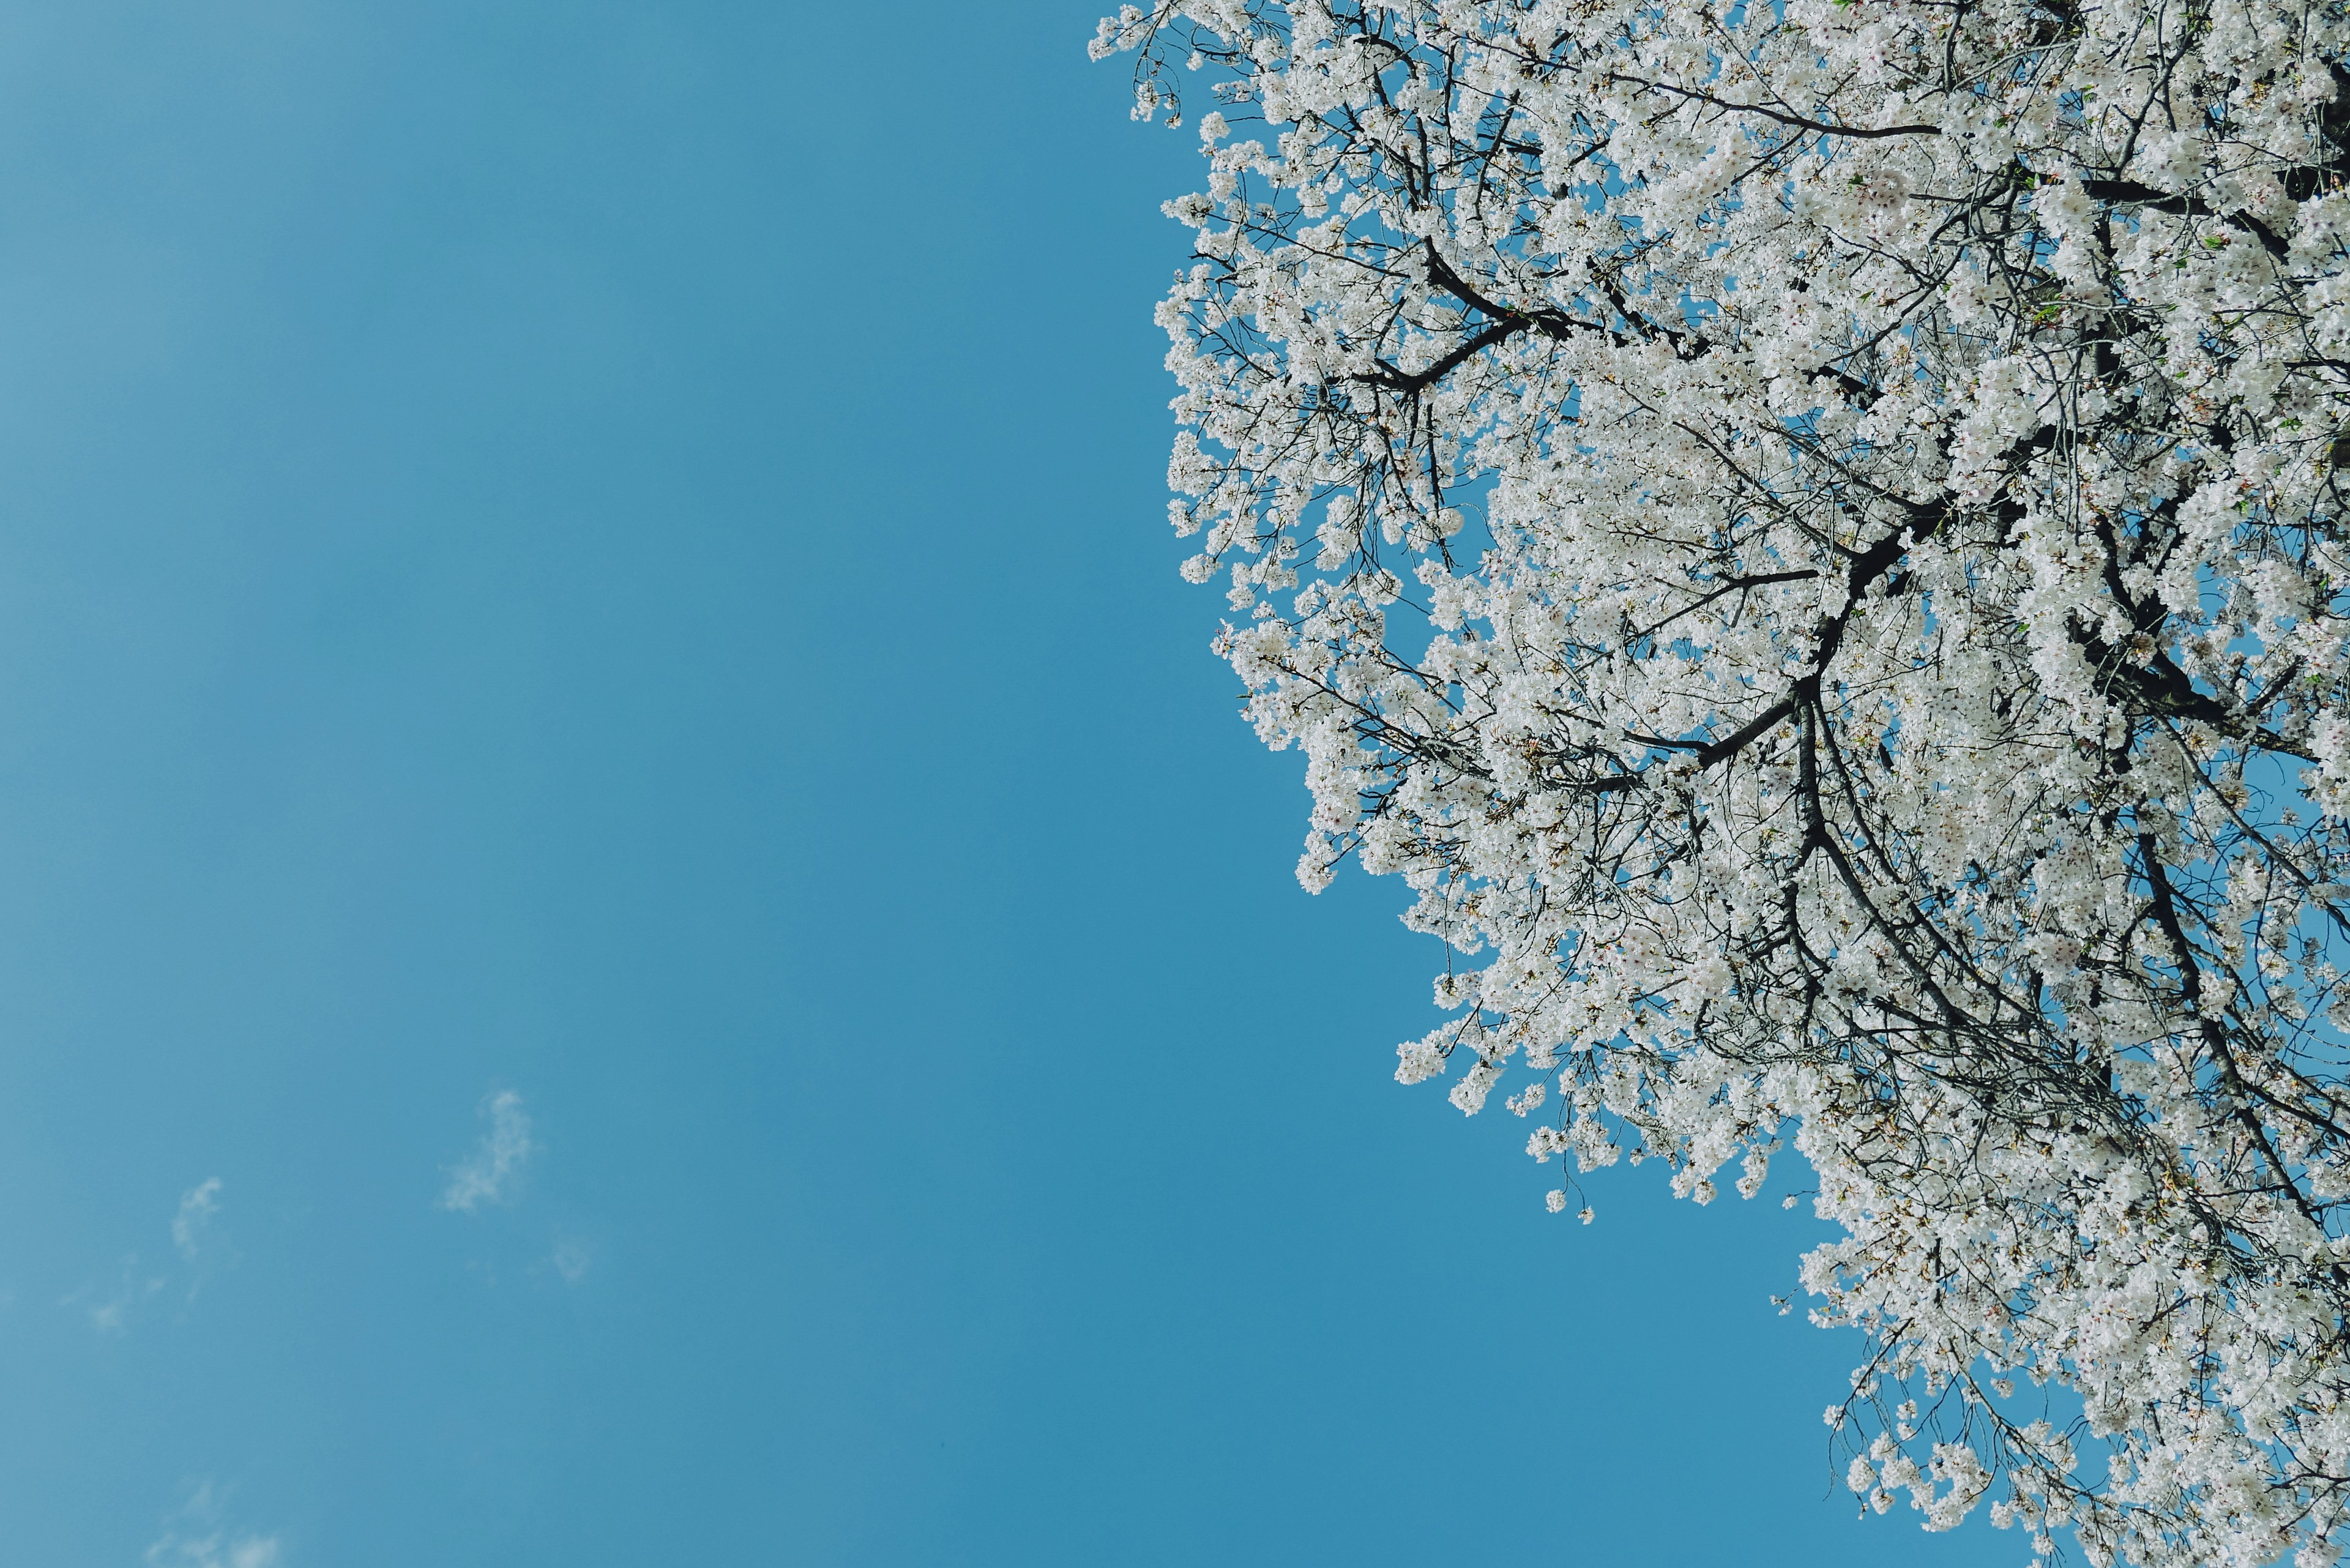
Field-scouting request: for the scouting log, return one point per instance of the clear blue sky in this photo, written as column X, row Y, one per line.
column 613, row 555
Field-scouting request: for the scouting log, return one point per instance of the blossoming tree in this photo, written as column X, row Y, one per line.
column 1811, row 535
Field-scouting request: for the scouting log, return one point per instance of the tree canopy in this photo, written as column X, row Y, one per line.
column 1811, row 535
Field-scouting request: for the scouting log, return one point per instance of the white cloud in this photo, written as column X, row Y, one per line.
column 192, row 1538
column 197, row 1207
column 218, row 1550
column 495, row 1160
column 110, row 1313
column 571, row 1259
column 111, row 1310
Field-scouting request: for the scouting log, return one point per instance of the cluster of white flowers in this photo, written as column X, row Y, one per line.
column 1867, row 476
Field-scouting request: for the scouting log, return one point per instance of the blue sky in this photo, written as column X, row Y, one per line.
column 634, row 924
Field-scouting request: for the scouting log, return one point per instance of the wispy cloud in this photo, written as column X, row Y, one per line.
column 192, row 1538
column 496, row 1160
column 217, row 1550
column 197, row 1207
column 109, row 1312
column 571, row 1259
column 112, row 1315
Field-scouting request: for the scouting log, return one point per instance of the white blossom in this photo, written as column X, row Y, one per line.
column 1809, row 536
